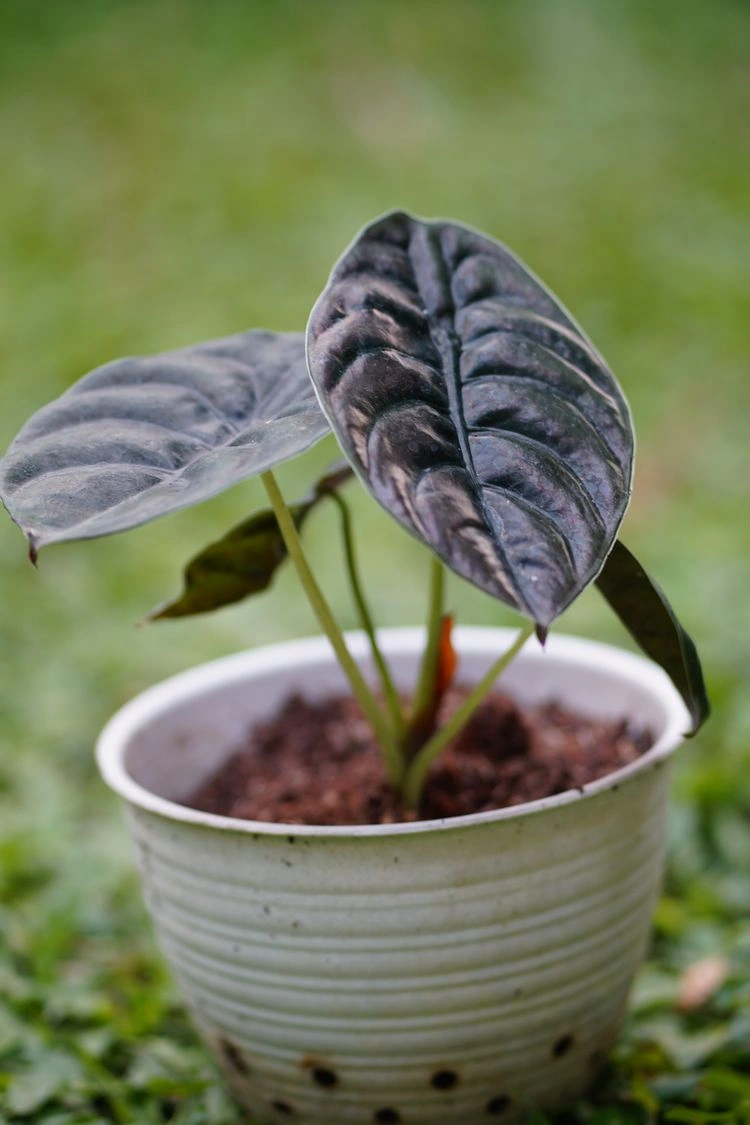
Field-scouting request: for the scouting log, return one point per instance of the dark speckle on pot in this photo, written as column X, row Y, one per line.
column 444, row 1079
column 324, row 1076
column 233, row 1056
column 292, row 839
column 496, row 1106
column 387, row 1116
column 562, row 1045
column 283, row 1108
column 321, row 1072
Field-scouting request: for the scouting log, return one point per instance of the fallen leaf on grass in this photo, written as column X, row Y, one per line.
column 700, row 981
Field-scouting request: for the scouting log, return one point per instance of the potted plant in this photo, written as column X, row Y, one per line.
column 430, row 969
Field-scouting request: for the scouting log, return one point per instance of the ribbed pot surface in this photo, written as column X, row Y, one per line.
column 452, row 973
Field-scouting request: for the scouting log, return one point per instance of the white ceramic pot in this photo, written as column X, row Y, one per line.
column 439, row 972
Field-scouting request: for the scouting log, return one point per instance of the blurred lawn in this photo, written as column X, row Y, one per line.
column 173, row 171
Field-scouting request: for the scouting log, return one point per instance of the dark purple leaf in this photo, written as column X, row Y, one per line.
column 649, row 618
column 144, row 436
column 474, row 409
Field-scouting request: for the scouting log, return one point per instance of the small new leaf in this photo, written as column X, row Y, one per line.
column 422, row 725
column 649, row 618
column 245, row 560
column 144, row 436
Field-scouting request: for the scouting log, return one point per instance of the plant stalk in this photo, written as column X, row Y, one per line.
column 362, row 693
column 417, row 770
column 426, row 682
column 393, row 703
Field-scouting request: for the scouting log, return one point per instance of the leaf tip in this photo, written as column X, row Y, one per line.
column 33, row 551
column 158, row 613
column 542, row 632
column 699, row 716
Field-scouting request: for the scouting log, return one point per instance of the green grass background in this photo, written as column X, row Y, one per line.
column 172, row 171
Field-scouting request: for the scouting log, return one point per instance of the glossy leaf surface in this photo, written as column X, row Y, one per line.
column 649, row 618
column 474, row 409
column 244, row 561
column 144, row 436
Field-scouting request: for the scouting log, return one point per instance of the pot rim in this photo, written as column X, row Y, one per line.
column 308, row 652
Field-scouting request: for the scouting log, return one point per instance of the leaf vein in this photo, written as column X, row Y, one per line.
column 147, row 384
column 541, row 514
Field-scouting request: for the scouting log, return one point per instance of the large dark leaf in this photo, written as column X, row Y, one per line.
column 143, row 436
column 649, row 618
column 244, row 561
column 474, row 409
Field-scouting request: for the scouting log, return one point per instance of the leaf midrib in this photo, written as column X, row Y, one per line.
column 442, row 327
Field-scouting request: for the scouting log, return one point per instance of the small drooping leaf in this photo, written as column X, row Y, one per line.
column 241, row 563
column 649, row 618
column 245, row 560
column 474, row 409
column 144, row 436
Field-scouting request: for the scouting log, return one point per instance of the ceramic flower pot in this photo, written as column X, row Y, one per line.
column 439, row 972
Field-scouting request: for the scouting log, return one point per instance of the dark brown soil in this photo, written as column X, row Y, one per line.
column 317, row 763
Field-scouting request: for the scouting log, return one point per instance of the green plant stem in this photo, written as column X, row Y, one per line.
column 431, row 655
column 322, row 610
column 417, row 771
column 393, row 703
